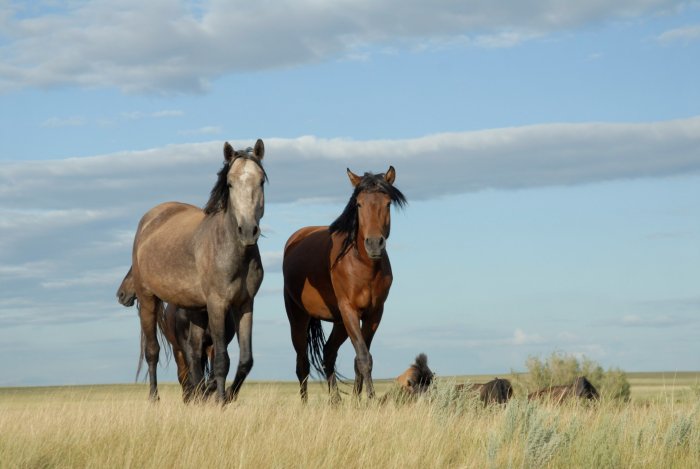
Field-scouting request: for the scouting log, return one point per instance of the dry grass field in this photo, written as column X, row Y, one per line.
column 115, row 426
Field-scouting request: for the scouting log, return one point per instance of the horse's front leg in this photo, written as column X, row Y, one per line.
column 243, row 323
column 217, row 310
column 363, row 359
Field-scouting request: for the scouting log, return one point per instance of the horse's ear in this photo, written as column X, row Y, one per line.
column 354, row 178
column 228, row 152
column 390, row 175
column 259, row 150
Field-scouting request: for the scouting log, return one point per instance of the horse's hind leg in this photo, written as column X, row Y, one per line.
column 330, row 354
column 149, row 308
column 298, row 323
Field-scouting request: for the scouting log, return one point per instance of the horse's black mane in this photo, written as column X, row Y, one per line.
column 347, row 222
column 218, row 198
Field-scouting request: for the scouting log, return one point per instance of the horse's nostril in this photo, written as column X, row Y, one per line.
column 382, row 242
column 255, row 230
column 240, row 229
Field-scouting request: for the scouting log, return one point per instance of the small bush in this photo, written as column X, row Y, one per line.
column 560, row 369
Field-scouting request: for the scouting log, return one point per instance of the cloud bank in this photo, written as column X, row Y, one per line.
column 92, row 188
column 179, row 46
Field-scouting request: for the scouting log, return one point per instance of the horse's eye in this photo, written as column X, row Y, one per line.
column 358, row 205
column 229, row 185
column 388, row 204
column 262, row 183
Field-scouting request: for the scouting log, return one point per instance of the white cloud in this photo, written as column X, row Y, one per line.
column 520, row 337
column 136, row 115
column 89, row 279
column 167, row 46
column 272, row 261
column 57, row 122
column 314, row 168
column 685, row 34
column 207, row 130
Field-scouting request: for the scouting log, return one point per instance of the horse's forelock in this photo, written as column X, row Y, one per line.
column 219, row 196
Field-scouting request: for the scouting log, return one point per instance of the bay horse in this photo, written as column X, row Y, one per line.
column 205, row 259
column 581, row 388
column 341, row 274
column 187, row 333
column 496, row 391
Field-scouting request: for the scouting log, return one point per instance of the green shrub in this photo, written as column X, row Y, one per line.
column 560, row 369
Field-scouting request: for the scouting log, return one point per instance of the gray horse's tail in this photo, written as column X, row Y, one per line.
column 160, row 316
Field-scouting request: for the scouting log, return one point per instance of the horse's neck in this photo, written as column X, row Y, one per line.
column 223, row 236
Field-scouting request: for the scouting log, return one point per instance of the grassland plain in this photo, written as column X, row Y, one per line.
column 115, row 426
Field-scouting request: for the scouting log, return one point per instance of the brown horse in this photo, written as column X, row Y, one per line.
column 417, row 378
column 205, row 260
column 341, row 274
column 581, row 388
column 496, row 391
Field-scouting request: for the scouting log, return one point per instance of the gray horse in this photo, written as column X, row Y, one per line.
column 205, row 259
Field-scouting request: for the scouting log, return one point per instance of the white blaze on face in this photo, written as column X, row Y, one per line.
column 247, row 195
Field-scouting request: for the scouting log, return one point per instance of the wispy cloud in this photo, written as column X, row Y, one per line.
column 508, row 158
column 207, row 130
column 685, row 34
column 57, row 122
column 167, row 47
column 136, row 115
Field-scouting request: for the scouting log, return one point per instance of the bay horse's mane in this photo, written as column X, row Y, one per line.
column 347, row 222
column 218, row 198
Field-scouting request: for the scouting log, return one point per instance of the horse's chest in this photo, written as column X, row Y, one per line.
column 373, row 294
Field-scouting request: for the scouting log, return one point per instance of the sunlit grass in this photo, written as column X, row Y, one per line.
column 115, row 426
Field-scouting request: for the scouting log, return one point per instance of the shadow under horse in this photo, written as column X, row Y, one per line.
column 341, row 274
column 206, row 261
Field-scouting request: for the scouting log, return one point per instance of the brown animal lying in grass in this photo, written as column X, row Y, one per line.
column 496, row 391
column 581, row 388
column 416, row 380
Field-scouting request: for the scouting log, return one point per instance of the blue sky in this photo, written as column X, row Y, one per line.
column 550, row 152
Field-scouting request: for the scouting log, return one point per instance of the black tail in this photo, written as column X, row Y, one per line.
column 316, row 339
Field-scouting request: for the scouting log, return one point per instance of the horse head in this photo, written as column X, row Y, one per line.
column 372, row 200
column 245, row 181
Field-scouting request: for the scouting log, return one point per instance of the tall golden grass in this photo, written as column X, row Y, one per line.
column 114, row 426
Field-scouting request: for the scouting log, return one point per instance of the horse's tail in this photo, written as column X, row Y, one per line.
column 126, row 294
column 160, row 318
column 316, row 339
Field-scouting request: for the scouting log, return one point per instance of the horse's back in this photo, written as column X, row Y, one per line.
column 163, row 253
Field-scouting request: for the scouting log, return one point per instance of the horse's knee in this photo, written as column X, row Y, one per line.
column 244, row 366
column 222, row 363
column 151, row 353
column 363, row 364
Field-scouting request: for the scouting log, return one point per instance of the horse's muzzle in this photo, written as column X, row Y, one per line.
column 248, row 234
column 375, row 247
